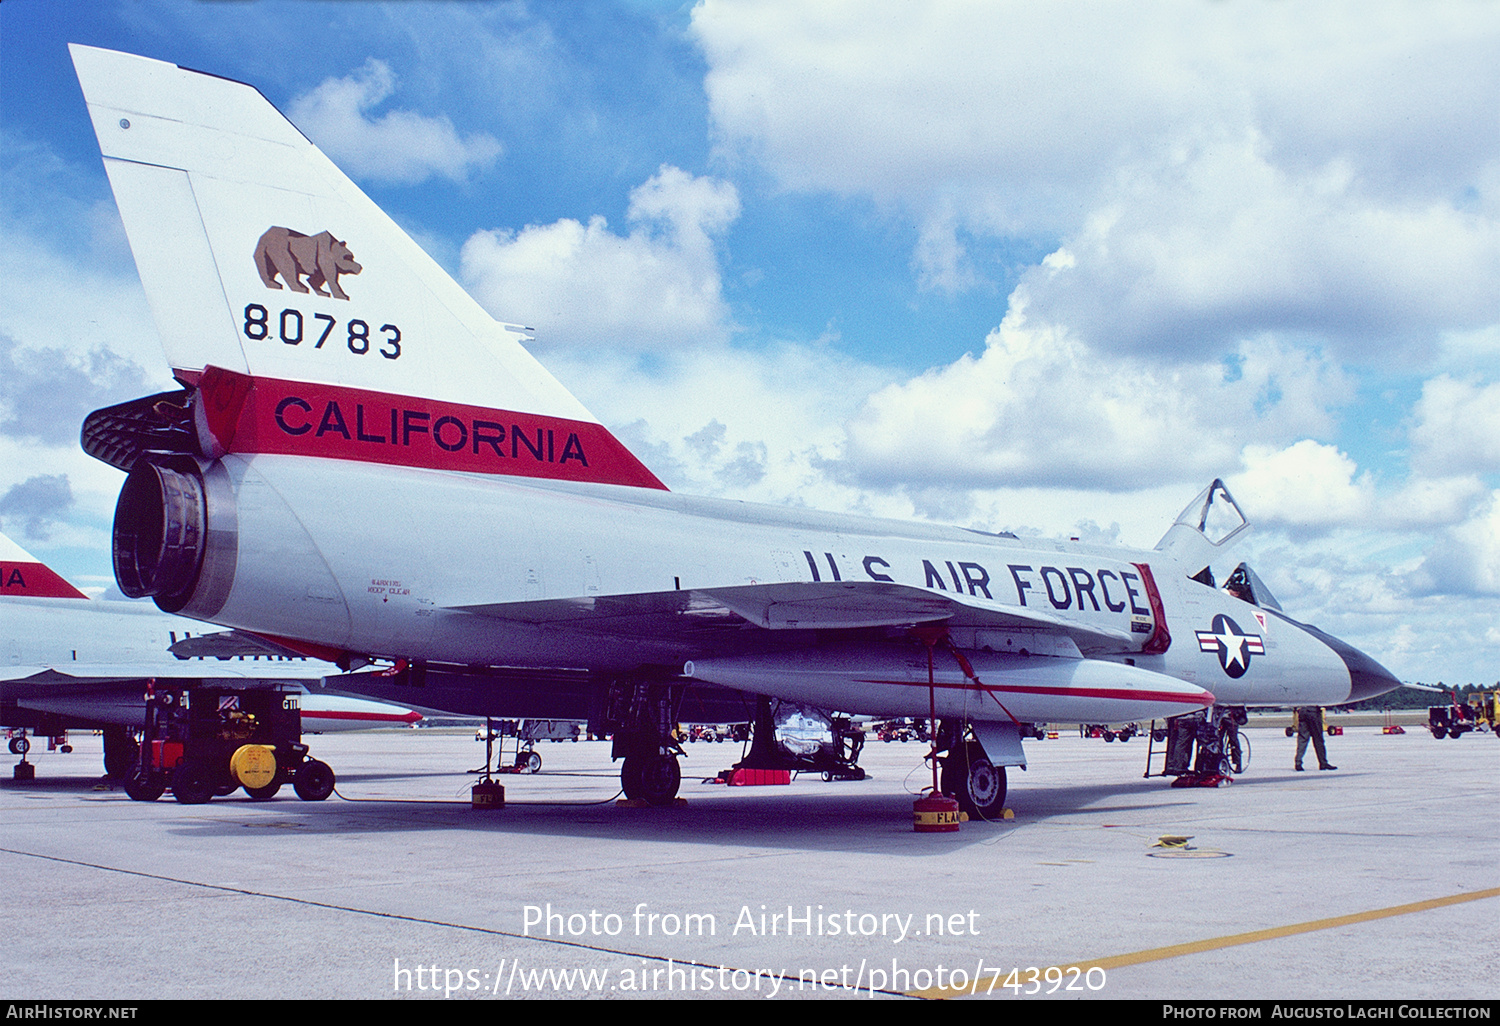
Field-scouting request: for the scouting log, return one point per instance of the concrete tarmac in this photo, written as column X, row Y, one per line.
column 1376, row 881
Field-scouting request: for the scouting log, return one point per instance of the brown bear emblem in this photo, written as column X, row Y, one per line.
column 320, row 258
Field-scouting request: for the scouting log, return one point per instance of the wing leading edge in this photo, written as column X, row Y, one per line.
column 804, row 606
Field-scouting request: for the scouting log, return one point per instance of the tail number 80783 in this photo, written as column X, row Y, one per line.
column 292, row 327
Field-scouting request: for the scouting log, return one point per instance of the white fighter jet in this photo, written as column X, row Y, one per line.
column 71, row 662
column 361, row 459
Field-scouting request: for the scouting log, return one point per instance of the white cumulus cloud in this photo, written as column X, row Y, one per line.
column 657, row 287
column 1466, row 558
column 399, row 146
column 1216, row 170
column 1039, row 407
column 1457, row 427
column 1306, row 484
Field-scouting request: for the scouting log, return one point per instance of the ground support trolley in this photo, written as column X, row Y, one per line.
column 204, row 741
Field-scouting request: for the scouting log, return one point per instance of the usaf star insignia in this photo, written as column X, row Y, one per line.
column 1233, row 645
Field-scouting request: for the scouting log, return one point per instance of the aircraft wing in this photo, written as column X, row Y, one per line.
column 233, row 645
column 828, row 605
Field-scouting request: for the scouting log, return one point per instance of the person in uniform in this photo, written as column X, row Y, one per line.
column 1310, row 726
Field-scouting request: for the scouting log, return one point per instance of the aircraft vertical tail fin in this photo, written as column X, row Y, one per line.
column 307, row 320
column 22, row 575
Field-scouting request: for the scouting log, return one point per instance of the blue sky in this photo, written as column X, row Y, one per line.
column 1045, row 268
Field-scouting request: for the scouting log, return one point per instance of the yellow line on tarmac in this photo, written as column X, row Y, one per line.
column 1215, row 943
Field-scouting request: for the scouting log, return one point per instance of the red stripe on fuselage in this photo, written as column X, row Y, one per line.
column 299, row 418
column 329, row 714
column 35, row 580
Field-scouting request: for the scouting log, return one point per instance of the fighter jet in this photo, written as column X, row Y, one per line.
column 71, row 662
column 360, row 459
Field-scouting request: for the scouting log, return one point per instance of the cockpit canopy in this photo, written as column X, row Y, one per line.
column 1208, row 524
column 1245, row 584
column 1214, row 514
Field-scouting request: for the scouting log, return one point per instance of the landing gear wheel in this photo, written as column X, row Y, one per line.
column 529, row 762
column 144, row 788
column 978, row 784
column 652, row 779
column 192, row 784
column 20, row 745
column 314, row 781
column 261, row 794
column 1236, row 752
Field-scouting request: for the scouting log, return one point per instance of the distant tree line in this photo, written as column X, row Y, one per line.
column 1418, row 698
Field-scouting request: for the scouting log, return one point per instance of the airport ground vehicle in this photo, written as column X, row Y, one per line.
column 524, row 734
column 1331, row 729
column 207, row 741
column 1456, row 719
column 902, row 730
column 1123, row 732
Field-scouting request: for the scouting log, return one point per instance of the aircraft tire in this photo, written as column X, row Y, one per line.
column 652, row 779
column 261, row 794
column 192, row 784
column 314, row 781
column 529, row 762
column 141, row 788
column 978, row 784
column 20, row 745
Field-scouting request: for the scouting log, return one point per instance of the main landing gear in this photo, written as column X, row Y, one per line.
column 641, row 717
column 652, row 778
column 968, row 774
column 978, row 784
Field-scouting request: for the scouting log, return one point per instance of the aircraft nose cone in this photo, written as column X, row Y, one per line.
column 1367, row 678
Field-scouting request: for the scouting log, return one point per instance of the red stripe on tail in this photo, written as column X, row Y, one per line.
column 298, row 418
column 35, row 580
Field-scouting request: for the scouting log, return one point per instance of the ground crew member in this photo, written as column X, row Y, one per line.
column 1310, row 725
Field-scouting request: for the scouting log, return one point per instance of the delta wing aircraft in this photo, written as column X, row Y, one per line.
column 71, row 662
column 361, row 459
